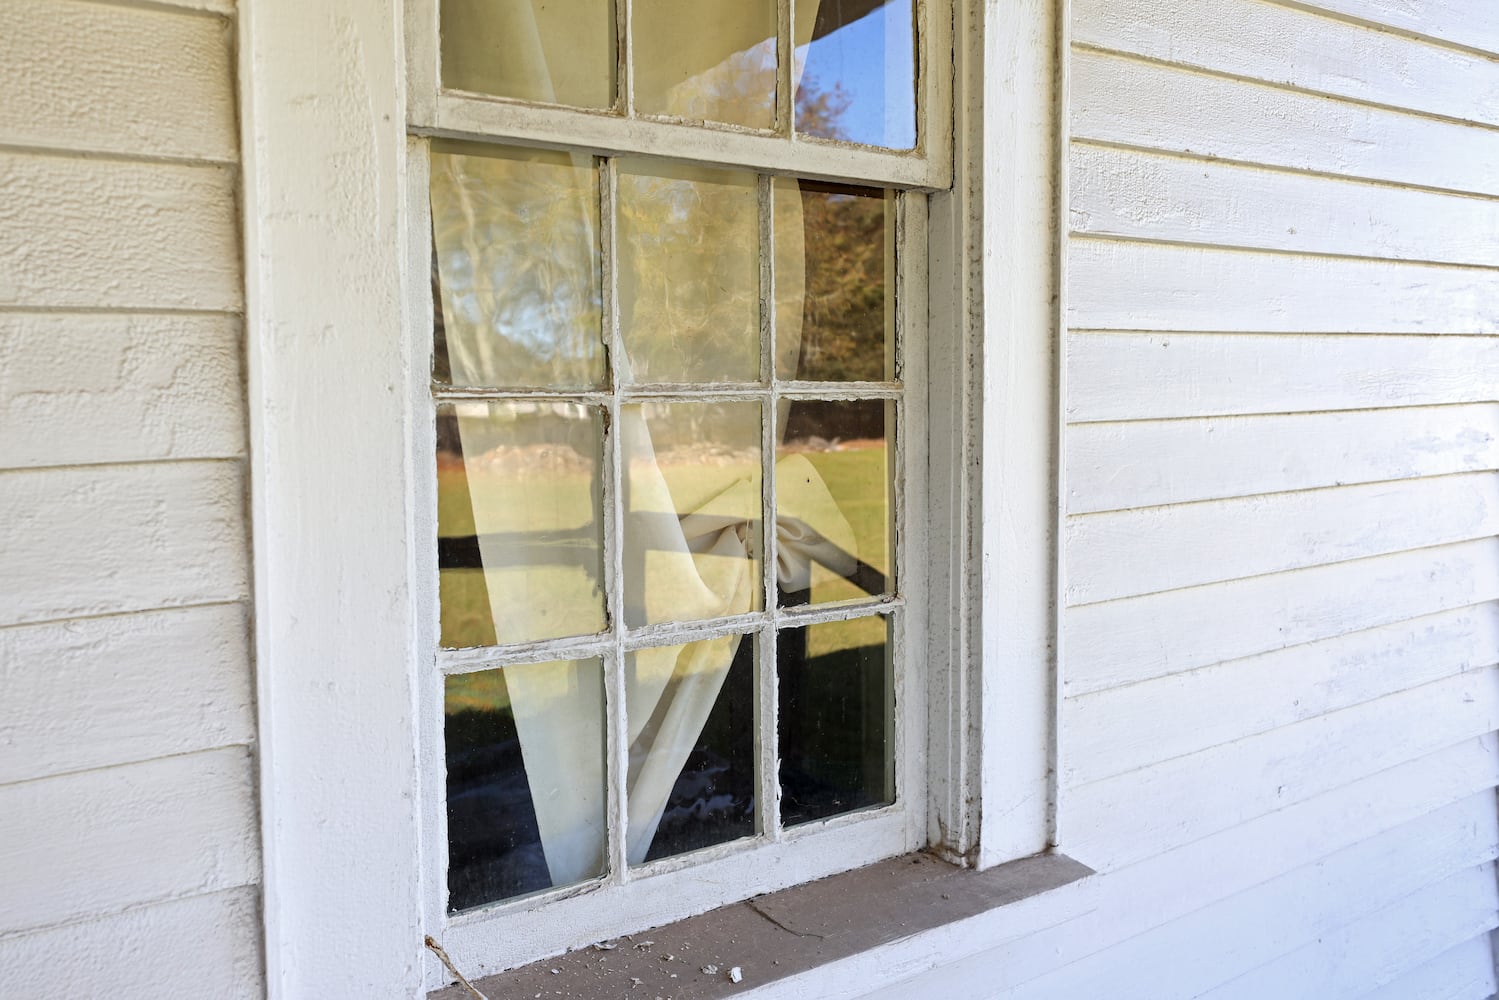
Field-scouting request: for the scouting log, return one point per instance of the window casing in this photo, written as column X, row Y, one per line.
column 341, row 461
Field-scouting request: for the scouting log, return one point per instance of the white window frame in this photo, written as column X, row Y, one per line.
column 340, row 417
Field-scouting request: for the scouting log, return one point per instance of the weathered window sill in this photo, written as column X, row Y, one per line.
column 837, row 937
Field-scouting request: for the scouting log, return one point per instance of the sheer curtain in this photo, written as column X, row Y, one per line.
column 704, row 557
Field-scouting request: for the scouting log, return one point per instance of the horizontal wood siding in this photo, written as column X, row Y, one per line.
column 1279, row 632
column 128, row 803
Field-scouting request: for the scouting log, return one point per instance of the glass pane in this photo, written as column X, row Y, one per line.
column 519, row 542
column 691, row 712
column 526, row 794
column 689, row 274
column 834, row 261
column 516, row 241
column 692, row 510
column 836, row 705
column 708, row 62
column 553, row 51
column 833, row 500
column 856, row 67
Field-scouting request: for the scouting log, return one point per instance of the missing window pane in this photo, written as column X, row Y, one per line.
column 836, row 718
column 525, row 779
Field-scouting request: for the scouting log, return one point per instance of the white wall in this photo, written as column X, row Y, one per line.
column 1282, row 405
column 128, row 851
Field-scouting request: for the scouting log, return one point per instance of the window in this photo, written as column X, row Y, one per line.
column 339, row 153
column 677, row 420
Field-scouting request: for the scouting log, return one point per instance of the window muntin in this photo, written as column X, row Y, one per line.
column 711, row 494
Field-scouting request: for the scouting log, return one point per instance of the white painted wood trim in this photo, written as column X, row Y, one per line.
column 323, row 133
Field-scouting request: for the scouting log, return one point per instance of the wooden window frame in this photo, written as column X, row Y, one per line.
column 340, row 444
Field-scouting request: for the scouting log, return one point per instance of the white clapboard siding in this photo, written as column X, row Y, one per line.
column 1133, row 286
column 116, row 79
column 1382, row 945
column 1296, row 48
column 1228, row 701
column 1467, row 23
column 1201, row 950
column 88, row 388
column 83, row 844
column 1148, row 810
column 1131, row 102
column 1152, row 196
column 1117, row 466
column 97, row 233
column 1465, row 972
column 1133, row 552
column 1164, row 375
column 104, row 691
column 1134, row 639
column 1139, row 897
column 199, row 947
column 105, row 539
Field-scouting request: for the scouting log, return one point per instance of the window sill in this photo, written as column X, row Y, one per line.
column 838, row 937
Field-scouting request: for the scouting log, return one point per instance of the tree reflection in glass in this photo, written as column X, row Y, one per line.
column 857, row 73
column 718, row 67
column 516, row 240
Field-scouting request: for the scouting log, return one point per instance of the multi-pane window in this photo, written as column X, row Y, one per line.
column 674, row 322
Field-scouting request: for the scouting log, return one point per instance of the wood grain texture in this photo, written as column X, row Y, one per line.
column 1143, row 376
column 123, row 688
column 1463, row 972
column 1138, row 286
column 116, row 79
column 1126, row 641
column 1469, row 23
column 1151, row 196
column 87, row 233
column 1148, row 105
column 1189, row 956
column 1134, row 552
column 90, row 388
column 201, row 946
column 1296, row 48
column 1144, row 812
column 1116, row 466
column 91, row 541
column 1224, row 702
column 80, row 845
column 1381, row 946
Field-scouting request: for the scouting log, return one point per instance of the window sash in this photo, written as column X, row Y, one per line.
column 512, row 932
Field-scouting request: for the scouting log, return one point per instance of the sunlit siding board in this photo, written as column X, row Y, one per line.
column 1170, row 375
column 1422, row 859
column 118, row 79
column 97, row 842
column 102, row 388
column 123, row 688
column 1127, row 818
column 1140, row 898
column 1265, row 41
column 1466, row 23
column 1158, row 197
column 200, row 946
column 1131, row 102
column 1382, row 945
column 110, row 234
column 1134, row 639
column 1138, row 286
column 1120, row 466
column 107, row 539
column 1464, row 972
column 1224, row 702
